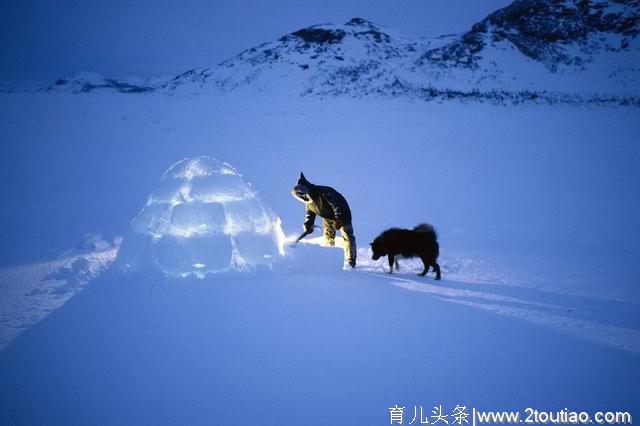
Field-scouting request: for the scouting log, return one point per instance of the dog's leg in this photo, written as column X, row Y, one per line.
column 397, row 264
column 436, row 268
column 426, row 267
column 391, row 259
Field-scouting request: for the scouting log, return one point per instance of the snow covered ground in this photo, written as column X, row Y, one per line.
column 32, row 291
column 537, row 209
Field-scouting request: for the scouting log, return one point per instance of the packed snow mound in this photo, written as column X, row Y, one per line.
column 203, row 218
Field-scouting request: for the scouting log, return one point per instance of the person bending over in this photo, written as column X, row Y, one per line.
column 330, row 205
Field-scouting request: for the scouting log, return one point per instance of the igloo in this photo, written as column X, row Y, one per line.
column 202, row 218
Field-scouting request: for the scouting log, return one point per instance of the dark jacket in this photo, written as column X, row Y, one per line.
column 326, row 203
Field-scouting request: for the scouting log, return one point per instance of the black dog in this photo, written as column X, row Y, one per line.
column 420, row 241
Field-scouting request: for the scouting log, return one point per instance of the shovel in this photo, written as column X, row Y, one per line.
column 304, row 234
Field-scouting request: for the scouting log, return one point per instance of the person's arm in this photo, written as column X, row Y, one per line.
column 336, row 206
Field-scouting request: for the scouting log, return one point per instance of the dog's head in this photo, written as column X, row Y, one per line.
column 378, row 249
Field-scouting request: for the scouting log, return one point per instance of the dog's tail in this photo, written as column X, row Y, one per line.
column 427, row 229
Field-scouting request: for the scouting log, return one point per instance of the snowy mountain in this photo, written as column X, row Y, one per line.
column 528, row 48
column 554, row 33
column 83, row 82
column 357, row 58
column 543, row 50
column 563, row 45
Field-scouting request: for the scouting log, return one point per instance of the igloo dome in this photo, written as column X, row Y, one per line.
column 202, row 218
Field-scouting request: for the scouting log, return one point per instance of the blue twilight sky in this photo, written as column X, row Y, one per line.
column 45, row 39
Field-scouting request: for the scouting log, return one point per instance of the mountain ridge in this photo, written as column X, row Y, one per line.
column 570, row 51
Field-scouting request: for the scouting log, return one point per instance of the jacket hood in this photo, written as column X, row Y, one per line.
column 301, row 190
column 302, row 180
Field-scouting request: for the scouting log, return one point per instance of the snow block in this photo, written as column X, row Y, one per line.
column 202, row 218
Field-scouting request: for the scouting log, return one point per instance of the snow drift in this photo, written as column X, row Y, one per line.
column 202, row 218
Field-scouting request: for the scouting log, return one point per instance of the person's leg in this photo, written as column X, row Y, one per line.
column 349, row 244
column 329, row 232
